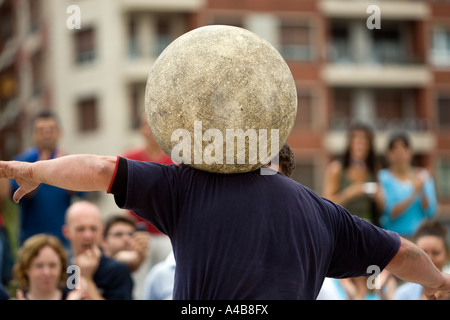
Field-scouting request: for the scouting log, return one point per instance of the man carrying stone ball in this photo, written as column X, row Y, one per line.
column 236, row 233
column 239, row 236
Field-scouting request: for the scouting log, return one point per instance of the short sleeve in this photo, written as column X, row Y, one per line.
column 359, row 244
column 150, row 192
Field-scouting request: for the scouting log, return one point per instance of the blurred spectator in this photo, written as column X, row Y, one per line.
column 335, row 289
column 160, row 245
column 40, row 271
column 431, row 236
column 42, row 211
column 351, row 182
column 6, row 257
column 408, row 194
column 158, row 284
column 123, row 242
column 105, row 277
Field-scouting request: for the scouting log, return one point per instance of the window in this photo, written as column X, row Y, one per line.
column 388, row 45
column 296, row 41
column 340, row 45
column 136, row 95
column 389, row 105
column 342, row 109
column 85, row 46
column 440, row 48
column 396, row 108
column 87, row 115
column 443, row 110
column 133, row 43
column 163, row 35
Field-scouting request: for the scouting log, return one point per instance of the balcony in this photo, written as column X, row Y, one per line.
column 390, row 9
column 364, row 75
column 386, row 57
column 162, row 5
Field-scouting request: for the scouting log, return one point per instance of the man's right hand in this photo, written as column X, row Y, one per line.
column 22, row 172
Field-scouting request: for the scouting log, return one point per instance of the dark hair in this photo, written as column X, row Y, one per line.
column 370, row 160
column 431, row 228
column 399, row 136
column 116, row 219
column 46, row 114
column 286, row 160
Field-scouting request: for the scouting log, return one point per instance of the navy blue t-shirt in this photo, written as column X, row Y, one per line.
column 249, row 236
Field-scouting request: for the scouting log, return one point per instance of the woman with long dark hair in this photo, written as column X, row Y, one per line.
column 351, row 180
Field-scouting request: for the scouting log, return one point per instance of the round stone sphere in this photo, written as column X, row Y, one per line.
column 221, row 99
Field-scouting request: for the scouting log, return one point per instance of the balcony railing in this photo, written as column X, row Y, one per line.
column 380, row 124
column 341, row 53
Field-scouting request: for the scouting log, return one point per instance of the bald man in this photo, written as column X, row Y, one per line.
column 105, row 278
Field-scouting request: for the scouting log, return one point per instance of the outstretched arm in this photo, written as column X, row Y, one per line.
column 82, row 172
column 412, row 264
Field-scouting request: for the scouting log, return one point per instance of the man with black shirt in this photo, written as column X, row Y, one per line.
column 239, row 236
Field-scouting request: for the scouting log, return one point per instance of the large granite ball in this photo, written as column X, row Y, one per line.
column 221, row 99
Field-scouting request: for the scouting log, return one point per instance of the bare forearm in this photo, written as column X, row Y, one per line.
column 413, row 265
column 76, row 172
